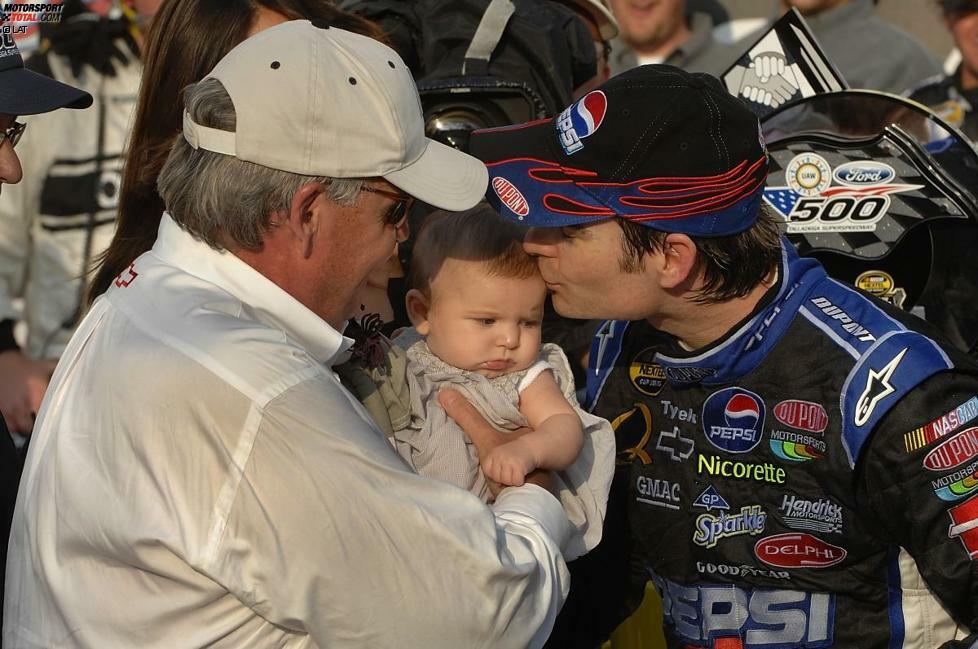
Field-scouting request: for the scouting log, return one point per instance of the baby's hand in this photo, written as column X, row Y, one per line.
column 509, row 464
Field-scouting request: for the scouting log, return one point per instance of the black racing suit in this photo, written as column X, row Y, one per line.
column 809, row 480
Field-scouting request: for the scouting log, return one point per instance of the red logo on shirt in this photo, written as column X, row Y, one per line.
column 124, row 282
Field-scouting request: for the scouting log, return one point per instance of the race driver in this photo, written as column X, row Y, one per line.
column 798, row 460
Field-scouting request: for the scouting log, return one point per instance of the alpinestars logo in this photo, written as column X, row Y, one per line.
column 878, row 387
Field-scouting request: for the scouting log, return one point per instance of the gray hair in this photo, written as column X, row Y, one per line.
column 223, row 200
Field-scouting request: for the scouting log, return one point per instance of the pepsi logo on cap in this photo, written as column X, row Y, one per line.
column 733, row 420
column 510, row 196
column 581, row 120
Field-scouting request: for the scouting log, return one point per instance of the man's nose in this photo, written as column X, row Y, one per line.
column 10, row 170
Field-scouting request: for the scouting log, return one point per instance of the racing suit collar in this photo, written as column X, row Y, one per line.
column 746, row 345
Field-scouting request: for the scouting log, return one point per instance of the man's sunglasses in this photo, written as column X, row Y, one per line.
column 399, row 211
column 12, row 133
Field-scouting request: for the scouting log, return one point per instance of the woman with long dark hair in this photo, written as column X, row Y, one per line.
column 186, row 40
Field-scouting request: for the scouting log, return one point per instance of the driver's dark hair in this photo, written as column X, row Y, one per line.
column 732, row 266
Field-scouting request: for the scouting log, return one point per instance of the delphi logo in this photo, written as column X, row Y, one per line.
column 733, row 420
column 581, row 120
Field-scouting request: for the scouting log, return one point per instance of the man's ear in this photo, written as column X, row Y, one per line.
column 677, row 261
column 417, row 309
column 304, row 215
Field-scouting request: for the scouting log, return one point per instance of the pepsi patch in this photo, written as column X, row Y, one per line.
column 733, row 420
column 581, row 120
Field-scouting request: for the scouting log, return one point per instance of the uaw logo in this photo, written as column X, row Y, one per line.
column 510, row 196
column 733, row 420
column 810, row 202
column 581, row 120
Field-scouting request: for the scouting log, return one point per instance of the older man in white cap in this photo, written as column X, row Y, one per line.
column 198, row 476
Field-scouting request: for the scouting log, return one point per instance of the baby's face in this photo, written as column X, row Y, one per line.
column 484, row 323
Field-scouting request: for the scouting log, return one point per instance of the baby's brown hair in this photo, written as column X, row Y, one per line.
column 478, row 234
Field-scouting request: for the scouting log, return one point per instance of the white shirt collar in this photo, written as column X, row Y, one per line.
column 272, row 305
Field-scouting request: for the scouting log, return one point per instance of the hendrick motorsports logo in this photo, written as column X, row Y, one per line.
column 859, row 197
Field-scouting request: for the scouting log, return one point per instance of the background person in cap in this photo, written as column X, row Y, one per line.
column 784, row 441
column 227, row 491
column 668, row 31
column 954, row 97
column 22, row 92
column 64, row 212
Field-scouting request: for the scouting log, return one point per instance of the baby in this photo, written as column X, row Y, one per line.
column 477, row 299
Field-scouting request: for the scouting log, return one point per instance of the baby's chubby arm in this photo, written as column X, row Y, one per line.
column 554, row 442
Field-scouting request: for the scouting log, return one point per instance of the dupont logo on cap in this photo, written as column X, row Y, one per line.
column 581, row 120
column 510, row 196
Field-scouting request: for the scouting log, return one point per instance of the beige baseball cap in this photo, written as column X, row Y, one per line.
column 322, row 101
column 601, row 15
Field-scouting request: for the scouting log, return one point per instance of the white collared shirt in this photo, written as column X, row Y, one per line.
column 199, row 477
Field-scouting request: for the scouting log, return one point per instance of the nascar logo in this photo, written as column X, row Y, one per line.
column 581, row 120
column 943, row 425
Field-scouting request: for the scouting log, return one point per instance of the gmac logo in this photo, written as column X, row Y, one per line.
column 733, row 420
column 581, row 120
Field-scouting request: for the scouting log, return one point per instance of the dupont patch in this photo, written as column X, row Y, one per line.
column 881, row 285
column 804, row 415
column 943, row 425
column 510, row 196
column 646, row 375
column 954, row 451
